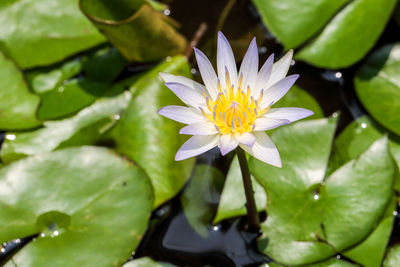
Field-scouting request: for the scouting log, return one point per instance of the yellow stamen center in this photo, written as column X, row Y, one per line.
column 234, row 110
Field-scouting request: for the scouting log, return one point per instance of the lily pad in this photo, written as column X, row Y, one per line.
column 150, row 139
column 298, row 97
column 63, row 94
column 85, row 128
column 17, row 105
column 332, row 32
column 371, row 251
column 310, row 217
column 135, row 28
column 201, row 197
column 393, row 256
column 146, row 262
column 233, row 199
column 356, row 138
column 75, row 199
column 41, row 32
column 378, row 86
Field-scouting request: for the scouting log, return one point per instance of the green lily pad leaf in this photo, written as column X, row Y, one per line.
column 332, row 262
column 85, row 128
column 136, row 29
column 17, row 105
column 76, row 199
column 298, row 97
column 393, row 256
column 150, row 139
column 69, row 98
column 146, row 262
column 378, row 86
column 200, row 198
column 47, row 78
column 371, row 251
column 233, row 199
column 41, row 32
column 310, row 217
column 356, row 138
column 333, row 31
column 62, row 96
column 305, row 18
column 104, row 65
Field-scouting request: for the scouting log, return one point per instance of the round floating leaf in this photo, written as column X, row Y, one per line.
column 146, row 262
column 331, row 40
column 378, row 86
column 63, row 95
column 41, row 32
column 356, row 138
column 332, row 262
column 81, row 201
column 201, row 196
column 311, row 218
column 371, row 251
column 295, row 21
column 233, row 199
column 85, row 128
column 17, row 105
column 393, row 257
column 136, row 29
column 298, row 97
column 148, row 138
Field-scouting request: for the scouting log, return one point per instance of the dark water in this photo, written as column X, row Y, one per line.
column 170, row 237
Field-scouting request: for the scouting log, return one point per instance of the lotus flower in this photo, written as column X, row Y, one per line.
column 233, row 109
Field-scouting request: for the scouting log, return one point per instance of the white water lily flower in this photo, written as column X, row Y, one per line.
column 233, row 109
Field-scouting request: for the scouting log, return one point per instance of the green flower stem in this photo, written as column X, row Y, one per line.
column 252, row 214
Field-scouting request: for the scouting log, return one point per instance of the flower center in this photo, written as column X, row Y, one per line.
column 234, row 110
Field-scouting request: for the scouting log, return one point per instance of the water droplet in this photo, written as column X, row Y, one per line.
column 117, row 117
column 42, row 235
column 167, row 12
column 168, row 59
column 10, row 137
column 2, row 250
column 335, row 114
column 316, row 197
column 262, row 50
column 193, row 71
column 56, row 233
column 338, row 257
column 61, row 89
column 338, row 75
column 17, row 241
column 293, row 62
column 215, row 228
column 363, row 125
column 395, row 213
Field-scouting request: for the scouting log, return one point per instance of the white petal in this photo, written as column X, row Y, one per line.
column 264, row 75
column 249, row 66
column 280, row 68
column 247, row 139
column 227, row 143
column 196, row 145
column 207, row 73
column 170, row 78
column 291, row 114
column 182, row 114
column 264, row 149
column 225, row 61
column 189, row 96
column 201, row 128
column 278, row 90
column 264, row 123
